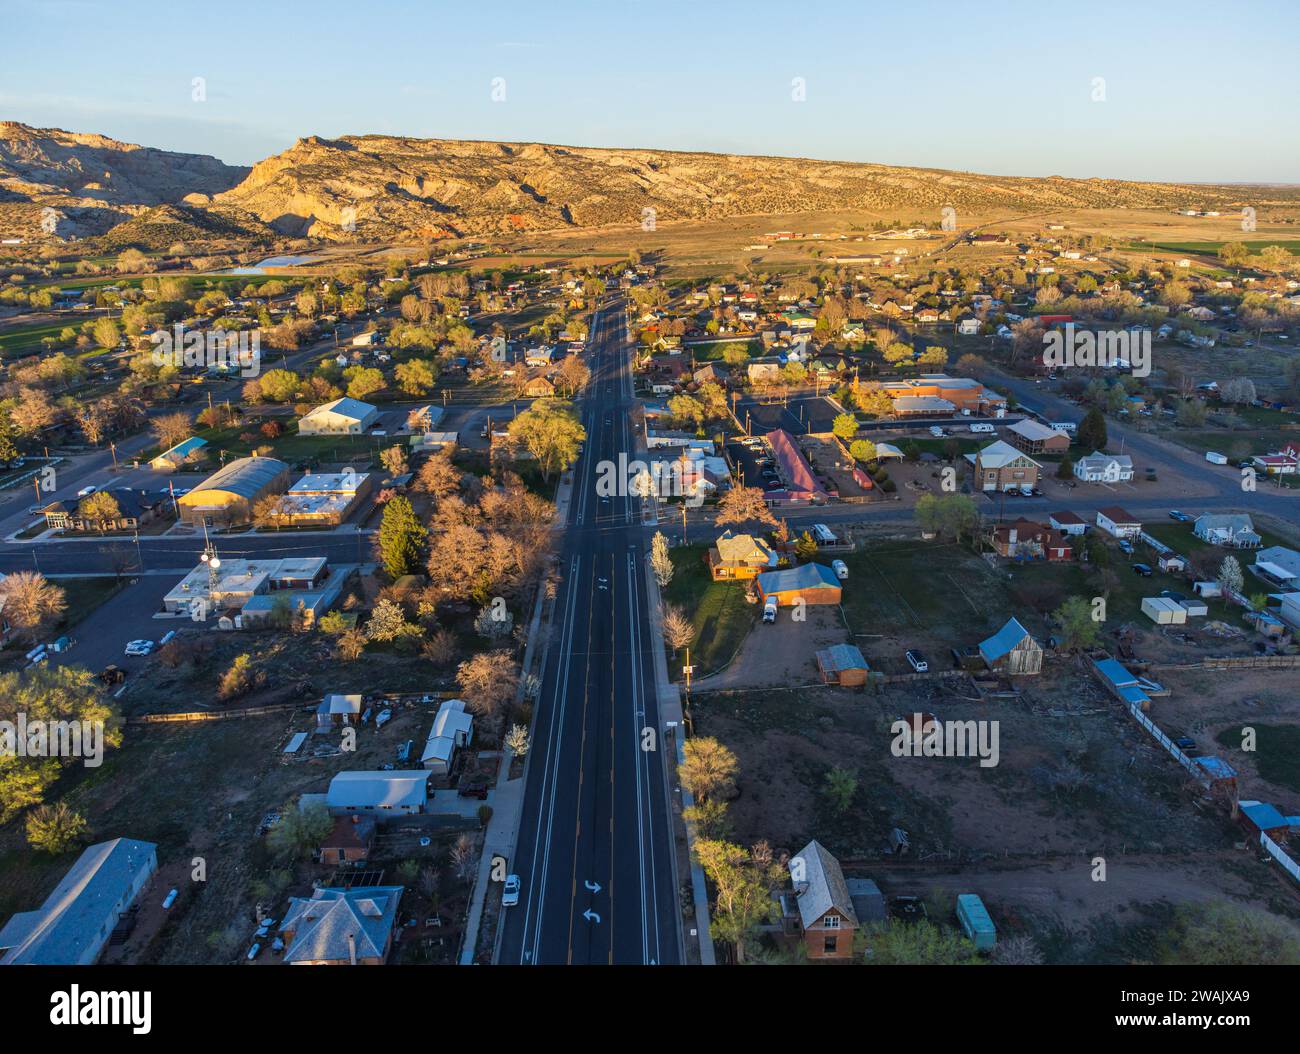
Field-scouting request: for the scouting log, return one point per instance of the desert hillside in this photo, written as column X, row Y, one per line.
column 385, row 187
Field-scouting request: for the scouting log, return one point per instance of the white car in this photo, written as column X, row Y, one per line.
column 769, row 609
column 139, row 647
column 86, row 492
column 510, row 892
column 841, row 569
column 936, row 431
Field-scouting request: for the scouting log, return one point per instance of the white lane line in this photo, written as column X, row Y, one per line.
column 637, row 711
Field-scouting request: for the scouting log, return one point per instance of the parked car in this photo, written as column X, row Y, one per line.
column 1142, row 569
column 1125, row 546
column 1185, row 743
column 87, row 491
column 139, row 647
column 769, row 609
column 841, row 569
column 1181, row 517
column 937, row 432
column 510, row 892
column 917, row 662
column 823, row 534
column 474, row 789
column 382, row 718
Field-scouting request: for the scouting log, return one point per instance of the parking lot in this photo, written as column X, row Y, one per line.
column 797, row 414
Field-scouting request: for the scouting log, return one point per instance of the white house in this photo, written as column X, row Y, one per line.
column 1118, row 523
column 341, row 417
column 1103, row 468
column 378, row 792
column 452, row 729
column 1067, row 523
column 1233, row 530
column 968, row 327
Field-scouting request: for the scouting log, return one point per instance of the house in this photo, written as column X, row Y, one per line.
column 1236, row 531
column 453, row 728
column 1012, row 651
column 1067, row 522
column 1024, row 538
column 228, row 496
column 78, row 917
column 341, row 417
column 968, row 327
column 1118, row 523
column 1001, row 467
column 539, row 387
column 710, row 373
column 324, row 498
column 336, row 710
column 348, row 841
column 1103, row 468
column 739, row 556
column 1035, row 438
column 541, row 357
column 842, row 664
column 810, row 583
column 1278, row 566
column 184, row 453
column 341, row 927
column 134, row 507
column 825, row 906
column 761, row 370
column 404, row 792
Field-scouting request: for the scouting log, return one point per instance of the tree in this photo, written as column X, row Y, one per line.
column 1233, row 254
column 415, row 377
column 172, row 428
column 351, row 644
column 240, row 678
column 551, row 432
column 31, row 603
column 278, row 386
column 744, row 505
column 923, row 943
column 1065, row 470
column 1092, row 430
column 401, row 537
column 299, row 831
column 387, row 621
column 363, row 381
column 1230, row 576
column 516, row 740
column 394, row 460
column 438, row 476
column 488, row 681
column 845, row 426
column 863, row 450
column 678, row 631
column 572, row 375
column 1079, row 630
column 106, row 333
column 708, row 770
column 661, row 563
column 1225, row 934
column 946, row 515
column 840, row 786
column 54, row 828
column 100, row 508
column 743, row 883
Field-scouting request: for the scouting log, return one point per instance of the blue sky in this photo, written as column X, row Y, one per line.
column 1193, row 91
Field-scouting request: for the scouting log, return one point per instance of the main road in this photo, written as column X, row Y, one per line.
column 595, row 841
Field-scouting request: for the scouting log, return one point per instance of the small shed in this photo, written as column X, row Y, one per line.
column 1163, row 611
column 338, row 710
column 976, row 922
column 842, row 664
column 1172, row 562
column 1012, row 650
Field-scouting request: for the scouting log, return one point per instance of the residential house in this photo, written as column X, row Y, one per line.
column 740, row 556
column 1278, row 566
column 1103, row 468
column 825, row 906
column 184, row 453
column 1236, row 531
column 761, row 370
column 453, row 729
column 1067, row 522
column 135, row 508
column 1001, row 467
column 811, row 583
column 1035, row 438
column 341, row 927
column 710, row 373
column 968, row 327
column 1013, row 651
column 349, row 840
column 74, row 924
column 538, row 388
column 1118, row 523
column 1026, row 539
column 341, row 417
column 379, row 793
column 337, row 710
column 842, row 664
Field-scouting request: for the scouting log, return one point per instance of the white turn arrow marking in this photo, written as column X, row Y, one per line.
column 591, row 916
column 593, row 886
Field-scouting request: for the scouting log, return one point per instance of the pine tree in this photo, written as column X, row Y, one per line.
column 401, row 537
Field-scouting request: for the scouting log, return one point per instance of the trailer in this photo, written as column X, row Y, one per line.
column 976, row 922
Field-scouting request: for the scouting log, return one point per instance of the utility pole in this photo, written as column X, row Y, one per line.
column 113, row 448
column 683, row 523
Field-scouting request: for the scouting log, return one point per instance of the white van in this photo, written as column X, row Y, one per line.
column 986, row 428
column 841, row 569
column 769, row 609
column 823, row 534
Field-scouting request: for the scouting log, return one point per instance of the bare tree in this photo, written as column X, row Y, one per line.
column 31, row 602
column 678, row 631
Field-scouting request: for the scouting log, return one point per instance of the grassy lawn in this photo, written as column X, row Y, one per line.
column 1179, row 537
column 712, row 352
column 24, row 340
column 84, row 595
column 1277, row 752
column 718, row 610
column 290, row 446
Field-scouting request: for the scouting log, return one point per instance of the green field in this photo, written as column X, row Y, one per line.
column 1277, row 752
column 721, row 615
column 1209, row 248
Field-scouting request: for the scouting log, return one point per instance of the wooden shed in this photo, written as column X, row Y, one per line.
column 1013, row 651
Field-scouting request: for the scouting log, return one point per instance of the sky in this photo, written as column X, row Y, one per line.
column 1143, row 89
